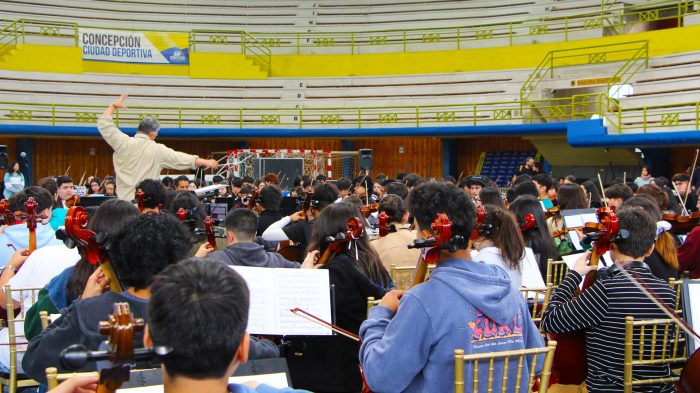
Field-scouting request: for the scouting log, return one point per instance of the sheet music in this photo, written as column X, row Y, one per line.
column 579, row 220
column 276, row 380
column 694, row 306
column 605, row 262
column 274, row 292
column 532, row 278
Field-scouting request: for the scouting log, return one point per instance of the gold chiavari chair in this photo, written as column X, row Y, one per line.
column 16, row 339
column 498, row 364
column 44, row 316
column 538, row 300
column 657, row 341
column 402, row 276
column 556, row 271
column 371, row 302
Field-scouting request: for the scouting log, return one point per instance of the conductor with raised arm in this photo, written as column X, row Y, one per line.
column 139, row 157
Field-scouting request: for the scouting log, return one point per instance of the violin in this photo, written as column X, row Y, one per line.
column 552, row 212
column 367, row 210
column 90, row 245
column 440, row 239
column 252, row 201
column 310, row 317
column 681, row 225
column 570, row 357
column 307, row 203
column 210, row 231
column 354, row 231
column 120, row 327
column 73, row 201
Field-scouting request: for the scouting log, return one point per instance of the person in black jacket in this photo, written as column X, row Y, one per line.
column 140, row 250
column 269, row 200
column 330, row 364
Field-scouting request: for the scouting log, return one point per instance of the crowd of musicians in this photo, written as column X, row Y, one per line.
column 170, row 273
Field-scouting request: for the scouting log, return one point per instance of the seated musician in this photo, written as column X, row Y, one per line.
column 65, row 190
column 364, row 187
column 685, row 193
column 242, row 250
column 15, row 237
column 544, row 184
column 200, row 310
column 409, row 347
column 500, row 242
column 154, row 197
column 140, row 250
column 356, row 273
column 344, row 186
column 601, row 309
column 392, row 248
column 269, row 202
column 617, row 194
column 297, row 227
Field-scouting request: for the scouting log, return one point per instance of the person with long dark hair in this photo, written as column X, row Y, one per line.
column 356, row 273
column 538, row 238
column 500, row 243
column 490, row 196
column 14, row 180
column 569, row 196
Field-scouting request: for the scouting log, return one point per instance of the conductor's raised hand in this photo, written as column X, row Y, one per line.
column 120, row 103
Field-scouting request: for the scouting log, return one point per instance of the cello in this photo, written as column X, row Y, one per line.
column 384, row 227
column 440, row 239
column 30, row 206
column 90, row 244
column 354, row 231
column 121, row 328
column 480, row 217
column 570, row 366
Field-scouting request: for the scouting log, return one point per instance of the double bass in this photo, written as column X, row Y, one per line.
column 90, row 244
column 120, row 354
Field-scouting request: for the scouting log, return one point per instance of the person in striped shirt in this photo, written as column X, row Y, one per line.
column 601, row 309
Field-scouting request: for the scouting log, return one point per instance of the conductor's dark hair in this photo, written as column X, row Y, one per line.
column 153, row 193
column 431, row 198
column 199, row 308
column 145, row 246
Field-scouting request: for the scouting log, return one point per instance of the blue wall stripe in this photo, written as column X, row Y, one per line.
column 591, row 133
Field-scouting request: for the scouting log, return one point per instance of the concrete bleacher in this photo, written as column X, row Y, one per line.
column 317, row 96
column 291, row 16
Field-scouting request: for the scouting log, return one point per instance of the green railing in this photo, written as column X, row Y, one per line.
column 634, row 54
column 520, row 32
column 257, row 51
column 22, row 30
column 678, row 117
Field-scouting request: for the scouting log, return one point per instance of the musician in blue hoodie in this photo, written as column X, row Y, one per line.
column 465, row 304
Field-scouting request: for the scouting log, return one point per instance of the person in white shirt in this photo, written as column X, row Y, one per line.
column 140, row 157
column 501, row 243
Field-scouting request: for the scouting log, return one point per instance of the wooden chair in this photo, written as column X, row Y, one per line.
column 371, row 303
column 499, row 363
column 16, row 339
column 538, row 300
column 556, row 271
column 651, row 342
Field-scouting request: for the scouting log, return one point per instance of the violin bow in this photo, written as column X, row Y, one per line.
column 681, row 198
column 690, row 182
column 312, row 318
column 602, row 190
column 460, row 177
column 67, row 171
column 82, row 178
column 624, row 177
column 648, row 292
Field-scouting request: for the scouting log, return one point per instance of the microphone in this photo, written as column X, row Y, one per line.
column 23, row 156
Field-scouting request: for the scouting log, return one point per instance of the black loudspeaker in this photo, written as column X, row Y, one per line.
column 365, row 159
column 3, row 157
